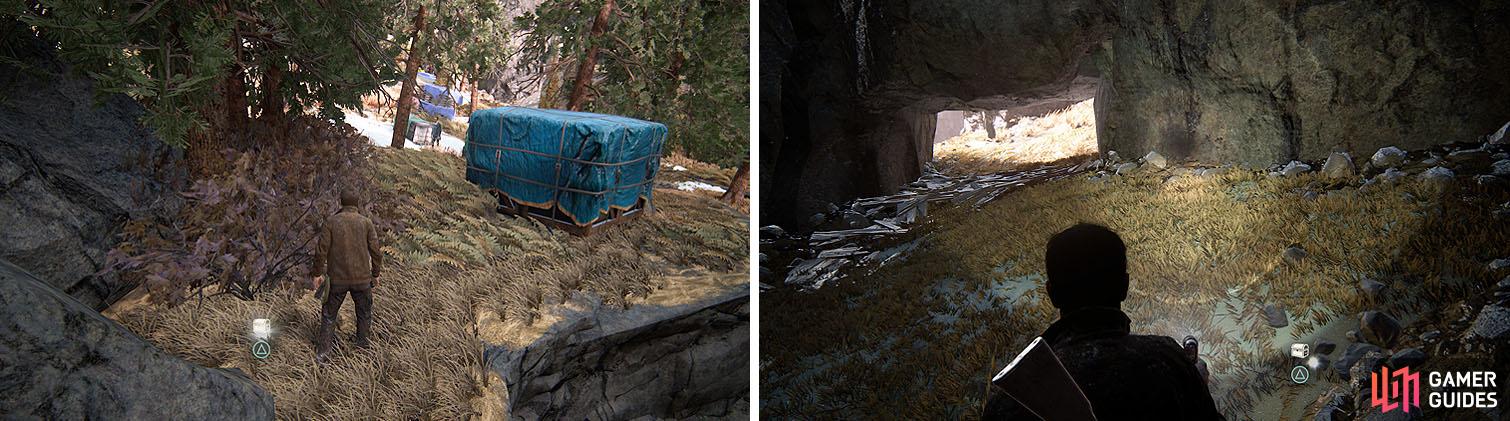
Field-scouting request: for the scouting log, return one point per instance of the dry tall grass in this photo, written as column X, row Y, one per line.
column 452, row 262
column 920, row 338
column 1026, row 142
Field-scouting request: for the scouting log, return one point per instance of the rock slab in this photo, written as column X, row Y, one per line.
column 60, row 359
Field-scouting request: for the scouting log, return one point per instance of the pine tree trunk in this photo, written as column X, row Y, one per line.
column 585, row 68
column 736, row 188
column 406, row 90
column 472, row 99
column 272, row 95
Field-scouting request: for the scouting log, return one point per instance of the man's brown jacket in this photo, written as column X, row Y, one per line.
column 348, row 243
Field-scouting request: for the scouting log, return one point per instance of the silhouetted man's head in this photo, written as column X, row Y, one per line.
column 1087, row 266
column 349, row 198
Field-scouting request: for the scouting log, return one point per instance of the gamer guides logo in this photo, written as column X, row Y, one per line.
column 1402, row 389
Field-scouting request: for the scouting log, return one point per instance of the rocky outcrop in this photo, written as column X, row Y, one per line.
column 71, row 171
column 62, row 360
column 848, row 87
column 1259, row 82
column 683, row 361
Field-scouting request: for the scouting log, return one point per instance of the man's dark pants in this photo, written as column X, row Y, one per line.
column 330, row 313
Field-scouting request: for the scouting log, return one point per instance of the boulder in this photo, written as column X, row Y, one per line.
column 1153, row 158
column 60, row 359
column 1501, row 168
column 1492, row 323
column 1389, row 176
column 1379, row 328
column 771, row 232
column 1275, row 316
column 1498, row 137
column 1125, row 168
column 1339, row 165
column 74, row 168
column 1437, row 175
column 1387, row 157
column 689, row 360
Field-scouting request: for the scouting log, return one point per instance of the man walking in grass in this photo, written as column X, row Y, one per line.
column 349, row 255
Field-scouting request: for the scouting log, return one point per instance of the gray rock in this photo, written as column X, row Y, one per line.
column 1501, row 168
column 1339, row 165
column 1498, row 264
column 1387, row 157
column 771, row 232
column 63, row 360
column 1295, row 168
column 1437, row 174
column 1323, row 347
column 1295, row 254
column 1355, row 352
column 1389, row 176
column 832, row 208
column 1309, row 195
column 1488, row 180
column 1371, row 288
column 853, row 220
column 1431, row 160
column 1125, row 168
column 1501, row 155
column 817, row 219
column 1275, row 316
column 646, row 362
column 1431, row 336
column 72, row 172
column 1492, row 323
column 1408, row 357
column 1498, row 137
column 1379, row 328
column 1153, row 158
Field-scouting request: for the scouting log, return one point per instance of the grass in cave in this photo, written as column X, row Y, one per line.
column 452, row 263
column 920, row 338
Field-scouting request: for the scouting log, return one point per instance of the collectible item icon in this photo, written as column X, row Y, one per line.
column 261, row 349
column 262, row 329
column 1300, row 350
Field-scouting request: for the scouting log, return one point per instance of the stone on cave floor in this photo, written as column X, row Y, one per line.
column 1488, row 180
column 1498, row 264
column 1339, row 165
column 1388, row 156
column 771, row 231
column 1275, row 316
column 1431, row 160
column 1501, row 168
column 1389, row 176
column 853, row 220
column 1408, row 357
column 1324, row 347
column 1295, row 168
column 832, row 208
column 817, row 219
column 1366, row 363
column 1125, row 167
column 1373, row 289
column 1492, row 323
column 1498, row 136
column 1154, row 159
column 1354, row 352
column 1379, row 328
column 1437, row 174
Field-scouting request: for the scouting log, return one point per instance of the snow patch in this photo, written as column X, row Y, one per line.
column 698, row 185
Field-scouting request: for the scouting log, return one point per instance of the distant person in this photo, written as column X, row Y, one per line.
column 349, row 255
column 1124, row 376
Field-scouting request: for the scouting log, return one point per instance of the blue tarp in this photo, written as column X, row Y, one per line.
column 447, row 112
column 436, row 92
column 605, row 162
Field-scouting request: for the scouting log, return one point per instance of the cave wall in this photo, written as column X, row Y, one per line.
column 1258, row 82
column 1252, row 82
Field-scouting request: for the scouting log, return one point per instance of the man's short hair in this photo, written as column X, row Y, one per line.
column 1087, row 266
column 349, row 198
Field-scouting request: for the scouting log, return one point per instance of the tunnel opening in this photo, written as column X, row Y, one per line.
column 993, row 141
